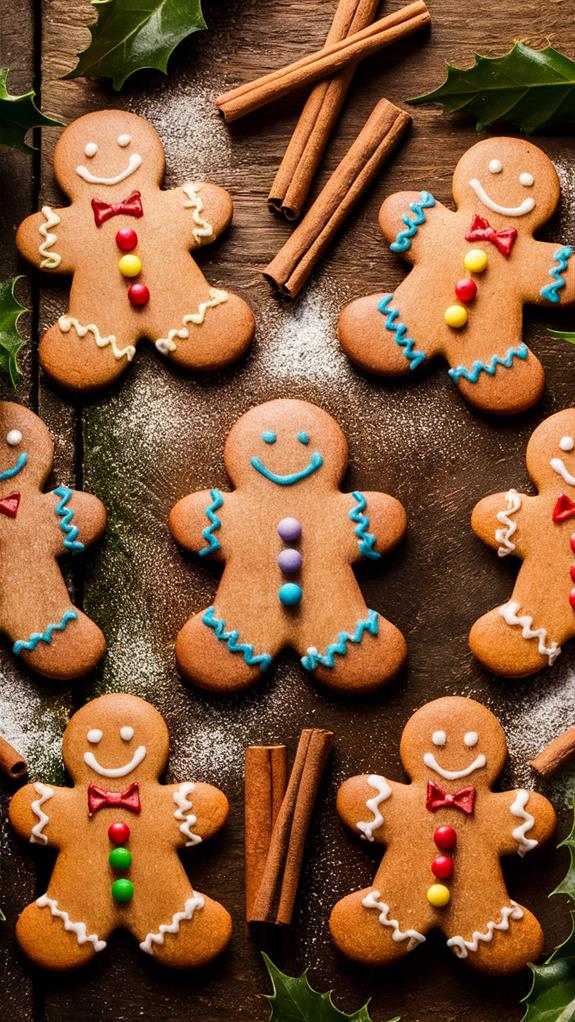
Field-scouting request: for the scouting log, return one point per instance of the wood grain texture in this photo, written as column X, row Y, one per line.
column 160, row 434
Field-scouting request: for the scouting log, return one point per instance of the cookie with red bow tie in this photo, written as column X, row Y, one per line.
column 526, row 633
column 118, row 832
column 473, row 271
column 444, row 833
column 45, row 629
column 130, row 247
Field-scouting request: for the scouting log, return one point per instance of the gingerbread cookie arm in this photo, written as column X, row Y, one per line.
column 379, row 523
column 523, row 820
column 45, row 239
column 200, row 810
column 203, row 211
column 39, row 813
column 80, row 517
column 497, row 521
column 195, row 522
column 405, row 220
column 550, row 277
column 365, row 804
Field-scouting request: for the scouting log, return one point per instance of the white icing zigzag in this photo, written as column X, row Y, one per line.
column 372, row 900
column 526, row 844
column 78, row 929
column 503, row 536
column 67, row 322
column 203, row 229
column 383, row 791
column 462, row 947
column 167, row 344
column 509, row 614
column 51, row 260
column 196, row 901
column 38, row 837
column 184, row 814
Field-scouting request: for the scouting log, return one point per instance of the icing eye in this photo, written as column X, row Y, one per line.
column 126, row 733
column 95, row 735
column 566, row 443
column 526, row 179
column 269, row 438
column 14, row 437
column 495, row 166
column 303, row 438
column 124, row 140
column 439, row 738
column 91, row 149
column 471, row 739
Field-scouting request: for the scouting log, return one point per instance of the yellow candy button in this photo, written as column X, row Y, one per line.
column 130, row 265
column 438, row 895
column 456, row 316
column 475, row 260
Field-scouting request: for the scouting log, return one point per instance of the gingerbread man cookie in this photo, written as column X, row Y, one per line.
column 127, row 244
column 118, row 864
column 445, row 833
column 45, row 629
column 473, row 270
column 288, row 537
column 527, row 633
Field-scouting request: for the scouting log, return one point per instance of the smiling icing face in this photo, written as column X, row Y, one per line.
column 551, row 453
column 26, row 448
column 470, row 740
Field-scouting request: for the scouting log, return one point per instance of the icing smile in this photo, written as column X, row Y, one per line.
column 288, row 480
column 9, row 473
column 453, row 775
column 525, row 207
column 121, row 771
column 134, row 162
column 559, row 466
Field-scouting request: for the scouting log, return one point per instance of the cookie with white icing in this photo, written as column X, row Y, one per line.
column 473, row 271
column 130, row 247
column 118, row 832
column 444, row 833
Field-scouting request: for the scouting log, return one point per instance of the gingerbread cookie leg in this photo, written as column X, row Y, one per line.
column 55, row 937
column 367, row 654
column 366, row 928
column 212, row 335
column 65, row 647
column 215, row 655
column 508, row 381
column 189, row 935
column 511, row 642
column 82, row 354
column 373, row 334
column 504, row 944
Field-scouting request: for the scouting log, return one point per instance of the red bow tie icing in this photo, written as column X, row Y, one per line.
column 132, row 206
column 564, row 509
column 439, row 799
column 9, row 505
column 100, row 799
column 481, row 230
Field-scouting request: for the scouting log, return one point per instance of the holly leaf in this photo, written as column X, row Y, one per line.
column 531, row 89
column 563, row 335
column 129, row 35
column 293, row 1000
column 10, row 340
column 18, row 114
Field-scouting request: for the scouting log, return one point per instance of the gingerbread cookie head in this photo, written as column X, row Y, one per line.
column 26, row 447
column 105, row 149
column 551, row 452
column 284, row 442
column 453, row 739
column 510, row 181
column 114, row 738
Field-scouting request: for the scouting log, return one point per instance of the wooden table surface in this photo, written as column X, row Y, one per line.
column 159, row 434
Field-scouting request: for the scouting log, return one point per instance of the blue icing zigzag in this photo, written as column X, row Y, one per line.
column 46, row 636
column 414, row 357
column 208, row 532
column 66, row 513
column 472, row 375
column 219, row 626
column 403, row 239
column 562, row 257
column 366, row 539
column 339, row 648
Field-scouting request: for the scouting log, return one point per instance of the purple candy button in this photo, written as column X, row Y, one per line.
column 289, row 561
column 289, row 529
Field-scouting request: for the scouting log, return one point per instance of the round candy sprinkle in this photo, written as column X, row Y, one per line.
column 445, row 838
column 138, row 294
column 572, row 572
column 572, row 598
column 290, row 594
column 456, row 316
column 118, row 833
column 130, row 265
column 122, row 890
column 289, row 561
column 120, row 859
column 126, row 239
column 572, row 542
column 475, row 260
column 466, row 289
column 441, row 867
column 438, row 895
column 289, row 529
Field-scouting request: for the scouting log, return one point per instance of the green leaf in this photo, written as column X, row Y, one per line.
column 17, row 115
column 129, row 35
column 10, row 340
column 531, row 89
column 563, row 335
column 293, row 1000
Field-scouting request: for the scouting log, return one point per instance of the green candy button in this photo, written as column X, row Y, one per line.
column 120, row 859
column 122, row 890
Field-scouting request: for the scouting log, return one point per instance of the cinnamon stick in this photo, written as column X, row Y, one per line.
column 274, row 901
column 11, row 762
column 555, row 755
column 315, row 125
column 245, row 98
column 291, row 267
column 265, row 785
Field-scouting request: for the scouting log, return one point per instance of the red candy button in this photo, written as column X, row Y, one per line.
column 572, row 572
column 118, row 833
column 572, row 598
column 572, row 541
column 445, row 838
column 138, row 294
column 126, row 239
column 466, row 290
column 442, row 867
